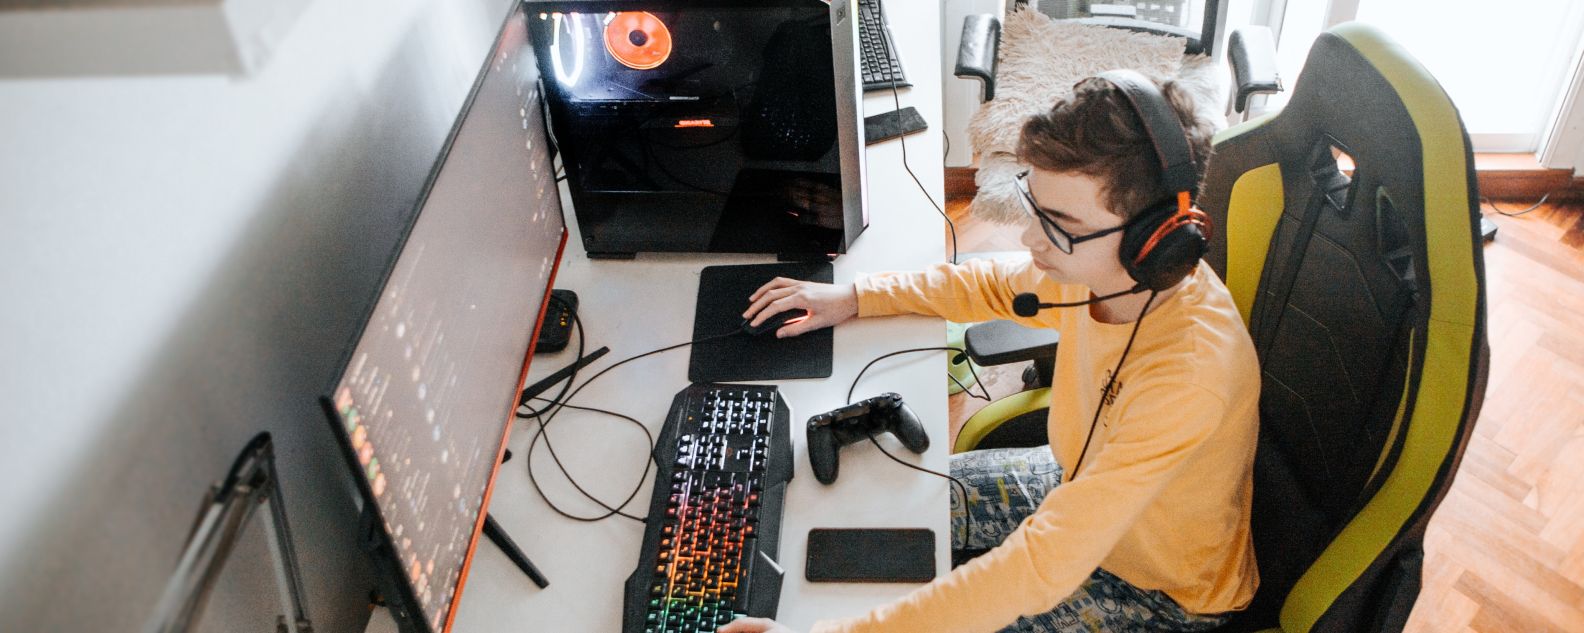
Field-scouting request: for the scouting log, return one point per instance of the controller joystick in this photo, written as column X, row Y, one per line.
column 829, row 432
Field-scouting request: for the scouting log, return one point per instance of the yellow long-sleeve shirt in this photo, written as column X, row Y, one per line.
column 1163, row 497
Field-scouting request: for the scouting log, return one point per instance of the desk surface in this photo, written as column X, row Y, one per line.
column 638, row 306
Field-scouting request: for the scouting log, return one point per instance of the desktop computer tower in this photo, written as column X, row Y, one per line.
column 706, row 125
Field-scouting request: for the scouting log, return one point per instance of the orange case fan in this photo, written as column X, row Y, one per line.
column 638, row 40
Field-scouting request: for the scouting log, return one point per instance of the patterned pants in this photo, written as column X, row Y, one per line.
column 1004, row 487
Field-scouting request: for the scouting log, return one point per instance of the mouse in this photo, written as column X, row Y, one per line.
column 775, row 321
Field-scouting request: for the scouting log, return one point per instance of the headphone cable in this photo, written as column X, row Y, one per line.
column 1106, row 392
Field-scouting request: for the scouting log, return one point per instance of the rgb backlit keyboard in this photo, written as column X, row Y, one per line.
column 710, row 550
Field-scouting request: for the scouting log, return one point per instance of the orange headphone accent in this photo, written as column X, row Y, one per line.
column 638, row 40
column 1186, row 214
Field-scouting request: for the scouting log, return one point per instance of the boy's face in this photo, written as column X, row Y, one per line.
column 1073, row 202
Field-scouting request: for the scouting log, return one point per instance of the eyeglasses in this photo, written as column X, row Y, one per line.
column 1058, row 236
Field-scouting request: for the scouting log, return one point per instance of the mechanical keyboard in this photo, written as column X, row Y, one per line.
column 709, row 555
column 879, row 59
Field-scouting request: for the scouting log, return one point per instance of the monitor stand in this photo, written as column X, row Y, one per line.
column 383, row 555
column 499, row 537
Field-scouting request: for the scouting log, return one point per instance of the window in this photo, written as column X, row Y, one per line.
column 1506, row 65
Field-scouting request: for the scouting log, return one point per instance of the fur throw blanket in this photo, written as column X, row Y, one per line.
column 1040, row 60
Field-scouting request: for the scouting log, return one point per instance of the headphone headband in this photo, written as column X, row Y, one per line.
column 1161, row 124
column 1169, row 237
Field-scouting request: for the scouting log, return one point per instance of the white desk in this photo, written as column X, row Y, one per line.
column 637, row 306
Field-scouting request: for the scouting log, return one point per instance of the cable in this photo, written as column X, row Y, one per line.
column 1106, row 392
column 648, row 465
column 896, row 100
column 559, row 403
column 963, row 354
column 1514, row 214
column 538, row 416
column 965, row 389
column 959, row 350
column 966, row 513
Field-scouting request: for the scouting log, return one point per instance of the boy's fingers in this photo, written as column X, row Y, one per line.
column 758, row 312
column 746, row 625
column 769, row 285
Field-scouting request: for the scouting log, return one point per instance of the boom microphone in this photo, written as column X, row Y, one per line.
column 1027, row 304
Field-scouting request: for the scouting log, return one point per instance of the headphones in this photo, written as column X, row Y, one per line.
column 1162, row 243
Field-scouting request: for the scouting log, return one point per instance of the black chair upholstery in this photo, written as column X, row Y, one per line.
column 1364, row 294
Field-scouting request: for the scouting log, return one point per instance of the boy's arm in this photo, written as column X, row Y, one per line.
column 1074, row 529
column 976, row 290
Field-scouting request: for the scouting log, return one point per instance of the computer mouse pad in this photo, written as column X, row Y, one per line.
column 723, row 296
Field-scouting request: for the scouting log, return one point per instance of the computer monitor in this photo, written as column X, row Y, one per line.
column 706, row 125
column 428, row 391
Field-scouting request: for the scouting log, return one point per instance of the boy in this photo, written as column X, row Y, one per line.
column 1136, row 517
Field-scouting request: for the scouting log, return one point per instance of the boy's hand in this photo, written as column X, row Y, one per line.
column 753, row 625
column 827, row 304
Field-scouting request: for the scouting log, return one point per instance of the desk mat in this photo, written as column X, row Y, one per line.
column 723, row 295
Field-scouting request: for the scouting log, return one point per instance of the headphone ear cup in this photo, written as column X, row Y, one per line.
column 1136, row 236
column 1174, row 255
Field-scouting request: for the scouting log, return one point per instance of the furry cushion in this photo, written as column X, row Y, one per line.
column 1040, row 60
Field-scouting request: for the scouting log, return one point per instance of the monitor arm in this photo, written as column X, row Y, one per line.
column 227, row 507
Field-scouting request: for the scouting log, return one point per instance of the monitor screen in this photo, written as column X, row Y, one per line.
column 429, row 389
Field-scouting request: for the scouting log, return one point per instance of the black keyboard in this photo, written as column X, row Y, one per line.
column 710, row 549
column 878, row 56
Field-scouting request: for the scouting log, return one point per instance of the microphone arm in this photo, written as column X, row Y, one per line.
column 1027, row 304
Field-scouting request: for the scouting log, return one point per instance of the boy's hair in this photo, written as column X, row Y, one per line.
column 1097, row 133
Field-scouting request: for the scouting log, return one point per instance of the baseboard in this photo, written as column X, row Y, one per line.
column 1530, row 184
column 960, row 182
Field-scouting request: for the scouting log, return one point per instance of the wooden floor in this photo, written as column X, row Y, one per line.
column 1505, row 551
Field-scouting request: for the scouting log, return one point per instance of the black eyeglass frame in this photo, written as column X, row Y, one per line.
column 1063, row 240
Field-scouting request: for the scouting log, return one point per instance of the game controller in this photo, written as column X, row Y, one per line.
column 829, row 432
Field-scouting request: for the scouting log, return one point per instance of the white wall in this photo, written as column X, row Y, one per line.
column 137, row 37
column 960, row 98
column 182, row 262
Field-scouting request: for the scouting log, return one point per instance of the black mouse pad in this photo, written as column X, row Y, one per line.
column 723, row 296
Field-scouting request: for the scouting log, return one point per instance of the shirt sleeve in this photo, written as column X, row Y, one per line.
column 1054, row 550
column 976, row 290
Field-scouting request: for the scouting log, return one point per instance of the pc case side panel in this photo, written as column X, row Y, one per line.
column 849, row 108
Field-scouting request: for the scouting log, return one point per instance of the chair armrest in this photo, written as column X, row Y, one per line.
column 976, row 53
column 1002, row 342
column 1193, row 45
column 1252, row 52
